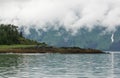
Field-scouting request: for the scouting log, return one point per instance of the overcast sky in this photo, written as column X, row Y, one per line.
column 72, row 14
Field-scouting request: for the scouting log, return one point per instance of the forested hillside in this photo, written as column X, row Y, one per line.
column 9, row 34
column 97, row 38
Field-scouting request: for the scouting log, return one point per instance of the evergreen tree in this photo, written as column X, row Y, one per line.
column 9, row 35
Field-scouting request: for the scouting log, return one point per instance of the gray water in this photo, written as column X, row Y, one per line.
column 60, row 65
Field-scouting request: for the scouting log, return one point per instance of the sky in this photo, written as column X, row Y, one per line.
column 70, row 14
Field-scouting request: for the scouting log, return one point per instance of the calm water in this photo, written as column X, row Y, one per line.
column 60, row 65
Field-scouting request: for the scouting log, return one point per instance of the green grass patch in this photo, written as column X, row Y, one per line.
column 15, row 46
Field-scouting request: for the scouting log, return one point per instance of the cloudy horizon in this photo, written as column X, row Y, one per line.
column 71, row 14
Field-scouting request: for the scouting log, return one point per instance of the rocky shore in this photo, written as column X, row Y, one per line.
column 62, row 50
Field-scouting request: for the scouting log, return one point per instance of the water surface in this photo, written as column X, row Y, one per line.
column 60, row 65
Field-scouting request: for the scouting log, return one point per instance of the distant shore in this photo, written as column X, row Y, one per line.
column 38, row 49
column 13, row 41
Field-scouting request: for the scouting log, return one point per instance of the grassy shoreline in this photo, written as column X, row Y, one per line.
column 42, row 49
column 15, row 46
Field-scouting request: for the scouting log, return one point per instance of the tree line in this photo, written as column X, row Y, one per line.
column 9, row 34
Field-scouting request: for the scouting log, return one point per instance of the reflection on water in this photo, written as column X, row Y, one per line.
column 60, row 65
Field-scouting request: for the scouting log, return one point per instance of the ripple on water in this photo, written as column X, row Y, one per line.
column 60, row 66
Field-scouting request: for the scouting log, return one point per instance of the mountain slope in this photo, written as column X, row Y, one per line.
column 96, row 38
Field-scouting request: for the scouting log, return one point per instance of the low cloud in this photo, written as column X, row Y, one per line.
column 70, row 14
